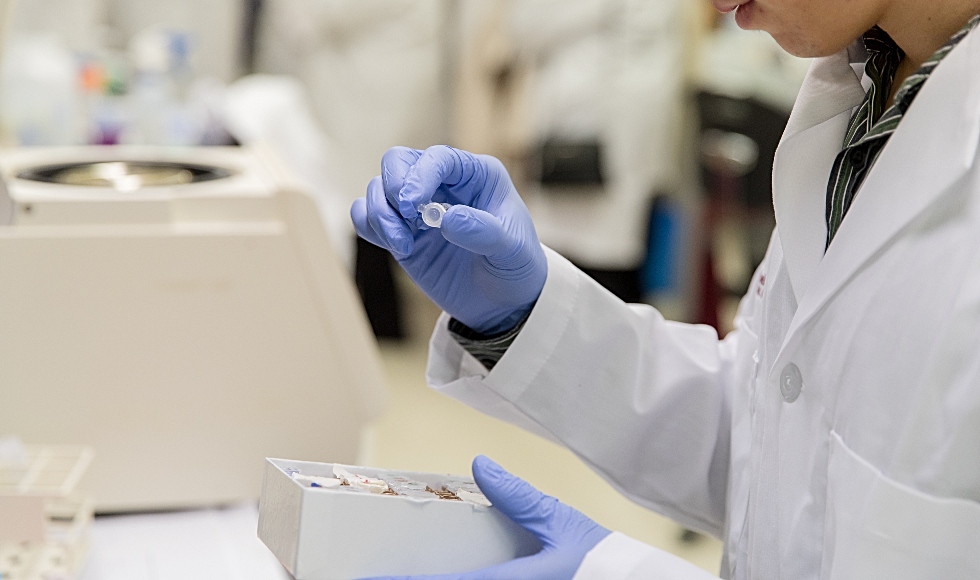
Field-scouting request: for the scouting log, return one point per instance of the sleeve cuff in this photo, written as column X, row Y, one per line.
column 488, row 349
column 534, row 341
column 619, row 557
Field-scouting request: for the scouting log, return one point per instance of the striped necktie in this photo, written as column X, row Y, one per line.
column 872, row 124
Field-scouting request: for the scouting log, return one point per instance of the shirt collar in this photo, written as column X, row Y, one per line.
column 884, row 57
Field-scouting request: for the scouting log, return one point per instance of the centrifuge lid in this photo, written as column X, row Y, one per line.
column 124, row 175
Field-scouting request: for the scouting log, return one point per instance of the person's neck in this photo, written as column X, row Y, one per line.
column 920, row 28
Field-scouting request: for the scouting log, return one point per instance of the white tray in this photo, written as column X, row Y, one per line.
column 334, row 534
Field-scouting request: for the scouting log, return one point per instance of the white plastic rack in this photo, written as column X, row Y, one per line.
column 44, row 523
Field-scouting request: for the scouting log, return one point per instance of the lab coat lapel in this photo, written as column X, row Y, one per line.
column 933, row 147
column 805, row 157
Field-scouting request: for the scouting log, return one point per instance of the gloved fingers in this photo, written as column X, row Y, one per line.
column 514, row 497
column 358, row 215
column 481, row 233
column 395, row 165
column 438, row 166
column 387, row 225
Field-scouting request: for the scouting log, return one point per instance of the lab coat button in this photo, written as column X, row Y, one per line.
column 790, row 382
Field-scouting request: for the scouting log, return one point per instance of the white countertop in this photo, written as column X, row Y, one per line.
column 210, row 544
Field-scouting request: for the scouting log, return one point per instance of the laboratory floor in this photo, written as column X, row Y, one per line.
column 422, row 430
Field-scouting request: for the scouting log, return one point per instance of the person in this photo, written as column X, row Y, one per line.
column 619, row 148
column 835, row 433
column 347, row 54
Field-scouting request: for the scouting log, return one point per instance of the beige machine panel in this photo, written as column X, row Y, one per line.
column 184, row 331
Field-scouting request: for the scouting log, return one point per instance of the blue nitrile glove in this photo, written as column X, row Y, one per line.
column 484, row 266
column 566, row 535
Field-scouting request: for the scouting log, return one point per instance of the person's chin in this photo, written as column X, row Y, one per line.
column 802, row 46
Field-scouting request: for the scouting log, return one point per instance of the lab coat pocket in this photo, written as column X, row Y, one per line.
column 880, row 529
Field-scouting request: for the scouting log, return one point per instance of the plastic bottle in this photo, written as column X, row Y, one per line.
column 39, row 99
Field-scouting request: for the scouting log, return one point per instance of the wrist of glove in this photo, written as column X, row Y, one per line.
column 566, row 535
column 484, row 265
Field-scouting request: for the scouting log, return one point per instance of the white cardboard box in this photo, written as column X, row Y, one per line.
column 334, row 534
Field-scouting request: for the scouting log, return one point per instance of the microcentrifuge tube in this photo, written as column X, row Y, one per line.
column 432, row 213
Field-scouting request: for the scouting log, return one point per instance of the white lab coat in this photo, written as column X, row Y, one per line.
column 612, row 71
column 372, row 70
column 835, row 434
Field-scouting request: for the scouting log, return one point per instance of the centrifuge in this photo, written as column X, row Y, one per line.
column 181, row 311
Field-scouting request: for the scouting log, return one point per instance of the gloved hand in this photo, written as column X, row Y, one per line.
column 484, row 266
column 566, row 535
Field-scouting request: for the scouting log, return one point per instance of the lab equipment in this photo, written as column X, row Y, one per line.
column 376, row 521
column 489, row 227
column 182, row 311
column 432, row 213
column 44, row 521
